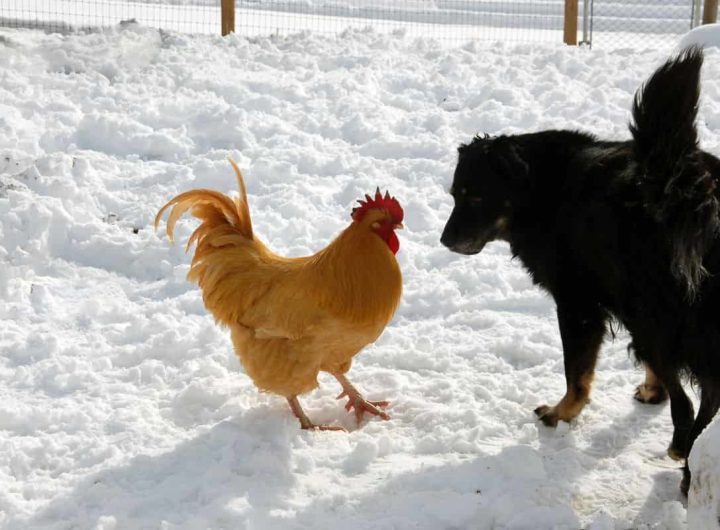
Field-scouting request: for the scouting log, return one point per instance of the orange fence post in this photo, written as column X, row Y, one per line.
column 228, row 16
column 570, row 26
column 710, row 11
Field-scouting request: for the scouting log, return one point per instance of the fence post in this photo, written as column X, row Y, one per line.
column 710, row 11
column 586, row 24
column 696, row 14
column 227, row 21
column 570, row 26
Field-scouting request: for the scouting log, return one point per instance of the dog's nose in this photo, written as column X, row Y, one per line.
column 448, row 238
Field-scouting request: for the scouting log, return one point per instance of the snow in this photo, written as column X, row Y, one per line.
column 704, row 494
column 703, row 36
column 122, row 404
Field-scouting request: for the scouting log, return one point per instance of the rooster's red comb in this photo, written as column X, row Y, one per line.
column 379, row 202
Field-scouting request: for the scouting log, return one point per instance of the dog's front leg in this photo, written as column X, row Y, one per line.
column 582, row 331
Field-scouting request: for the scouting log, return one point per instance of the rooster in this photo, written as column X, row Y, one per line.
column 290, row 318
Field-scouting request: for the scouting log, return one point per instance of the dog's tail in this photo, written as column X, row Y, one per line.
column 678, row 189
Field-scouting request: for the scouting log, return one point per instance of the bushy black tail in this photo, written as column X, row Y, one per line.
column 679, row 189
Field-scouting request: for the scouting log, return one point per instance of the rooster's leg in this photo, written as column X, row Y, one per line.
column 359, row 403
column 305, row 422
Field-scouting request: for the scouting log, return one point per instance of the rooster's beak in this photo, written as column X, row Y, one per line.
column 399, row 226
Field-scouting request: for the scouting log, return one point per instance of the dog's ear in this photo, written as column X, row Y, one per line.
column 479, row 144
column 508, row 159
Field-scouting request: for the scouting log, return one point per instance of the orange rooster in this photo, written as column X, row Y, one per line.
column 289, row 318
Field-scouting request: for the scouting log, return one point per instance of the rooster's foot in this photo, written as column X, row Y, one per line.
column 359, row 403
column 310, row 426
column 305, row 422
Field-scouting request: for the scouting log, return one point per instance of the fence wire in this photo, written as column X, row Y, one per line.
column 607, row 23
column 451, row 21
column 190, row 16
column 641, row 23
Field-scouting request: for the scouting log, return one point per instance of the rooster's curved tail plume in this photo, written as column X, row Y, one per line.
column 216, row 211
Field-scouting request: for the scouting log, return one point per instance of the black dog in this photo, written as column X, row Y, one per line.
column 613, row 230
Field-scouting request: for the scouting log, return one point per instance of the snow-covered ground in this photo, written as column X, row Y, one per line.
column 122, row 405
column 704, row 496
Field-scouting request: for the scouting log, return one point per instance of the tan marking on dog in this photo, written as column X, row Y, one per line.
column 571, row 404
column 652, row 390
column 675, row 454
column 575, row 398
column 501, row 223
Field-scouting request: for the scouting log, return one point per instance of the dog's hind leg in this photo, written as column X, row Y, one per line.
column 653, row 351
column 581, row 331
column 682, row 412
column 709, row 404
column 652, row 390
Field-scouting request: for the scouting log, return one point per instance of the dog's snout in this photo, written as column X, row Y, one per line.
column 449, row 236
column 455, row 236
column 445, row 239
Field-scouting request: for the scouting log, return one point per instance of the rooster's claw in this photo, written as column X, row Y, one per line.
column 362, row 406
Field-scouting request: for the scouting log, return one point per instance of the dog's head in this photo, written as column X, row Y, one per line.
column 489, row 176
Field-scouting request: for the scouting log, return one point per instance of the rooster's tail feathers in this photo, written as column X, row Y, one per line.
column 241, row 203
column 213, row 208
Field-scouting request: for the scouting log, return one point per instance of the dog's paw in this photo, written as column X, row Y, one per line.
column 548, row 415
column 678, row 445
column 651, row 394
column 676, row 453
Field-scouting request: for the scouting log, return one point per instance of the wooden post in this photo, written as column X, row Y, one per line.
column 228, row 16
column 570, row 26
column 710, row 11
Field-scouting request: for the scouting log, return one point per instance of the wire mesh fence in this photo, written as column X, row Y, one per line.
column 191, row 16
column 451, row 21
column 604, row 23
column 641, row 23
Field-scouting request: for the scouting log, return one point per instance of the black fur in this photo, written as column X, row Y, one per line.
column 672, row 167
column 623, row 230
